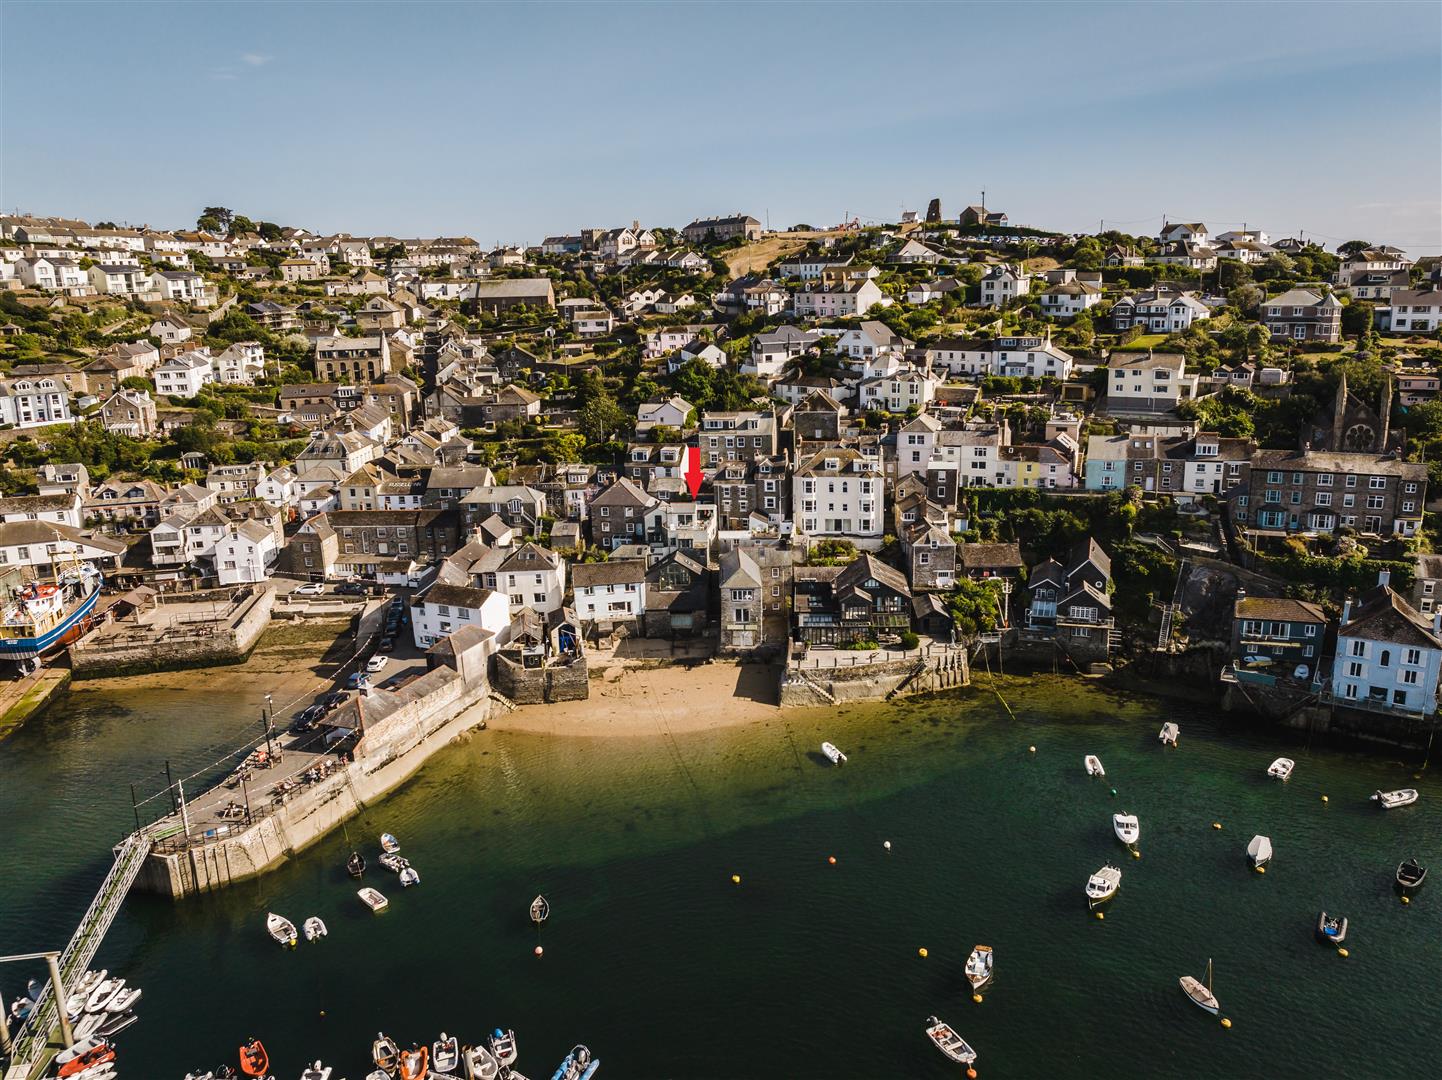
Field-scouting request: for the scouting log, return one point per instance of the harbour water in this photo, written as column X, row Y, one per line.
column 661, row 964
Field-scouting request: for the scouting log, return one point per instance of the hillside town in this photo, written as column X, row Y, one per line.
column 762, row 445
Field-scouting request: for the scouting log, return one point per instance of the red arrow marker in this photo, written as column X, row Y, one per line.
column 693, row 470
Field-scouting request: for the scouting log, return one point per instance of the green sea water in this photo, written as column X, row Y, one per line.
column 665, row 968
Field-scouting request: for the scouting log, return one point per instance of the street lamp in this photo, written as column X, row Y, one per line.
column 268, row 715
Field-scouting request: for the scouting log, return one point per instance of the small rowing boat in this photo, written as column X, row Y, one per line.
column 280, row 928
column 1331, row 929
column 415, row 1063
column 481, row 1064
column 372, row 899
column 978, row 966
column 389, row 844
column 254, row 1061
column 1260, row 851
column 1169, row 734
column 124, row 1000
column 540, row 910
column 1391, row 800
column 1411, row 874
column 394, row 863
column 385, row 1053
column 833, row 755
column 445, row 1053
column 1127, row 828
column 315, row 928
column 410, row 876
column 104, row 994
column 503, row 1046
column 1093, row 765
column 355, row 866
column 949, row 1042
column 316, row 1071
column 1201, row 993
column 576, row 1065
column 1281, row 769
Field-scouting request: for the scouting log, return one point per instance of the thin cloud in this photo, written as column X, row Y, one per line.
column 256, row 59
column 224, row 75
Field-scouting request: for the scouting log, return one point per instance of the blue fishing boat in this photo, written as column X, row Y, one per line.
column 578, row 1065
column 39, row 617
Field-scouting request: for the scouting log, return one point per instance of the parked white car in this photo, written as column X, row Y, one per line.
column 310, row 588
column 377, row 663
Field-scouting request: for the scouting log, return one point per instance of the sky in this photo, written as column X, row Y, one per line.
column 509, row 122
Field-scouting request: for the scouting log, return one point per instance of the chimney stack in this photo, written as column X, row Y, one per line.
column 1346, row 612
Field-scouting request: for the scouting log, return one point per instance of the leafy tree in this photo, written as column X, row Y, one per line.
column 1351, row 247
column 975, row 606
column 215, row 219
column 601, row 417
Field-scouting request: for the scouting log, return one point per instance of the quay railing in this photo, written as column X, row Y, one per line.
column 833, row 659
column 33, row 1042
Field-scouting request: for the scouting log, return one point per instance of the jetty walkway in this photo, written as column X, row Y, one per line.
column 40, row 1038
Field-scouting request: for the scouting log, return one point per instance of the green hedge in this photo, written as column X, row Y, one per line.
column 1345, row 574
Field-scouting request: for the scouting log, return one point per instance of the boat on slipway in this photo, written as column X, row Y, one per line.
column 39, row 617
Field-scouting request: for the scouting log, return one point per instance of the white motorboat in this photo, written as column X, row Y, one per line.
column 410, row 877
column 124, row 1000
column 1127, row 828
column 949, row 1042
column 389, row 844
column 280, row 928
column 101, row 995
column 1260, row 850
column 1094, row 765
column 372, row 899
column 316, row 1071
column 1200, row 993
column 481, row 1064
column 1169, row 734
column 445, row 1053
column 1103, row 885
column 1390, row 800
column 833, row 755
column 315, row 928
column 105, row 1070
column 978, row 966
column 1282, row 768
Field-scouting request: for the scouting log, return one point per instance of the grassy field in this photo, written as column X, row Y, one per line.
column 758, row 254
column 1146, row 341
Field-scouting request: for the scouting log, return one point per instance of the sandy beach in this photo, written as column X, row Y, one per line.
column 636, row 700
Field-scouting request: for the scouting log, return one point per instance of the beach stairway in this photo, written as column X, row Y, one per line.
column 505, row 703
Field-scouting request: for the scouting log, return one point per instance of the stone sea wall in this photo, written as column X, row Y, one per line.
column 811, row 685
column 105, row 654
column 442, row 706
